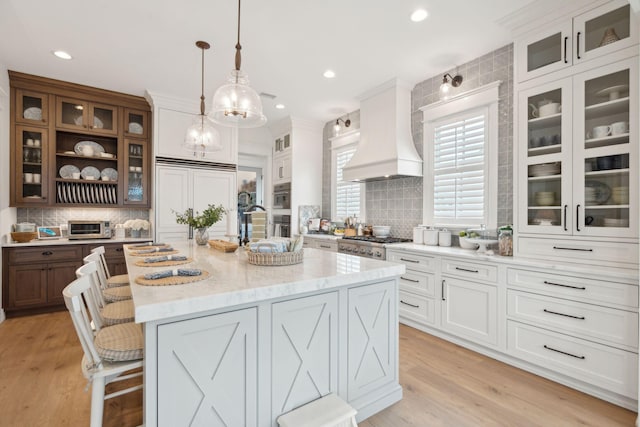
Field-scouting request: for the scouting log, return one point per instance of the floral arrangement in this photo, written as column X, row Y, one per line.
column 137, row 224
column 206, row 219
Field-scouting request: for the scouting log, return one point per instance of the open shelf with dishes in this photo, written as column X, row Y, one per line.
column 68, row 145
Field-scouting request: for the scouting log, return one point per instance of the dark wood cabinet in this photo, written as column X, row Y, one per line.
column 61, row 118
column 33, row 277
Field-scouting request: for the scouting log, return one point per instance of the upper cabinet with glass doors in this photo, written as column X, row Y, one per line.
column 596, row 32
column 581, row 156
column 83, row 116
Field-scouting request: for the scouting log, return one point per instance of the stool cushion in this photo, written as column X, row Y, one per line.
column 328, row 411
column 119, row 280
column 118, row 312
column 120, row 342
column 120, row 293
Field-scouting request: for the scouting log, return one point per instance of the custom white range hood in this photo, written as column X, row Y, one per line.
column 386, row 147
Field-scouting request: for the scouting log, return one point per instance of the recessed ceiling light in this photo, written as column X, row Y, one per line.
column 62, row 54
column 280, row 106
column 419, row 15
column 329, row 74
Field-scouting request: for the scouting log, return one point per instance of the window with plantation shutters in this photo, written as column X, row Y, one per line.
column 347, row 198
column 461, row 160
column 348, row 194
column 458, row 169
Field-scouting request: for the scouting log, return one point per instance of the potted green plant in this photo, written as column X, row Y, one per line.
column 201, row 222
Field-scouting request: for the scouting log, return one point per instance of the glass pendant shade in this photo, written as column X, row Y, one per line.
column 202, row 137
column 236, row 103
column 444, row 90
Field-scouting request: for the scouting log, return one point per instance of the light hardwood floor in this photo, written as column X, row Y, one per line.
column 444, row 385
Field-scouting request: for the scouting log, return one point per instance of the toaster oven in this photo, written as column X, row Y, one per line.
column 88, row 229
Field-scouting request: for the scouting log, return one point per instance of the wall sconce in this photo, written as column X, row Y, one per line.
column 445, row 87
column 336, row 127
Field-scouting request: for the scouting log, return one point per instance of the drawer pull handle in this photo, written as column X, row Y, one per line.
column 119, row 249
column 442, row 289
column 562, row 314
column 410, row 260
column 47, row 253
column 410, row 305
column 467, row 270
column 325, row 246
column 572, row 249
column 582, row 288
column 563, row 352
column 410, row 280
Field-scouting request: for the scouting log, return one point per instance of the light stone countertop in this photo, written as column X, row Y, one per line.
column 65, row 241
column 322, row 236
column 473, row 256
column 233, row 281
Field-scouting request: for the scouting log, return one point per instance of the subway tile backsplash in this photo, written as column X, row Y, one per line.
column 398, row 202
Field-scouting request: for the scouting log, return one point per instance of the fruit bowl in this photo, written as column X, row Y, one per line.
column 23, row 236
column 483, row 243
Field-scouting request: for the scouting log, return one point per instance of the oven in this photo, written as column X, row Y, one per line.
column 282, row 196
column 367, row 246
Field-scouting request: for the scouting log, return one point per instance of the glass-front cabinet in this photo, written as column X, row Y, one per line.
column 579, row 168
column 32, row 108
column 136, row 187
column 596, row 32
column 85, row 116
column 136, row 123
column 31, row 165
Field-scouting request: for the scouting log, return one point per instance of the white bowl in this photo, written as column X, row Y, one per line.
column 381, row 230
column 466, row 244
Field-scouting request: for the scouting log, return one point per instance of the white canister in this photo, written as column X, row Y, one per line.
column 444, row 238
column 418, row 237
column 431, row 237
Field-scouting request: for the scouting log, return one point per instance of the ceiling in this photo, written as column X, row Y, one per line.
column 133, row 46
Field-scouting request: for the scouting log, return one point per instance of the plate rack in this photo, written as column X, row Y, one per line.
column 95, row 193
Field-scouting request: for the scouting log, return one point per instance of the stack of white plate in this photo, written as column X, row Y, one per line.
column 544, row 198
column 544, row 169
column 620, row 195
column 590, row 195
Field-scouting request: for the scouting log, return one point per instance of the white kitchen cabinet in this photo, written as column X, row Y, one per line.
column 575, row 40
column 179, row 188
column 587, row 361
column 281, row 168
column 418, row 294
column 303, row 330
column 372, row 329
column 207, row 370
column 470, row 310
column 299, row 163
column 172, row 116
column 572, row 182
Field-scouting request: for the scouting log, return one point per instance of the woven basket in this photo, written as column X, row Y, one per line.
column 223, row 246
column 275, row 259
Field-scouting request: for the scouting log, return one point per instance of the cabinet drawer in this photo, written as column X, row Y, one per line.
column 575, row 288
column 470, row 270
column 114, row 250
column 417, row 308
column 327, row 246
column 586, row 252
column 607, row 367
column 413, row 261
column 45, row 254
column 419, row 283
column 585, row 320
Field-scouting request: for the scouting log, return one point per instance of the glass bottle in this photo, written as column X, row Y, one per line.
column 505, row 241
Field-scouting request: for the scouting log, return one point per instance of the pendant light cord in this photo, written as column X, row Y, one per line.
column 238, row 46
column 202, row 87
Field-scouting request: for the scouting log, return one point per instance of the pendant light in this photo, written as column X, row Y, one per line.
column 236, row 103
column 202, row 137
column 445, row 87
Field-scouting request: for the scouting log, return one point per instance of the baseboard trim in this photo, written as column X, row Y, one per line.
column 368, row 408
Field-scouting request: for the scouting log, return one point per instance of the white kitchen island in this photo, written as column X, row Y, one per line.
column 250, row 343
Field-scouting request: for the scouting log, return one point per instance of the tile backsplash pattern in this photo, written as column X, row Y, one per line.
column 398, row 202
column 58, row 216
